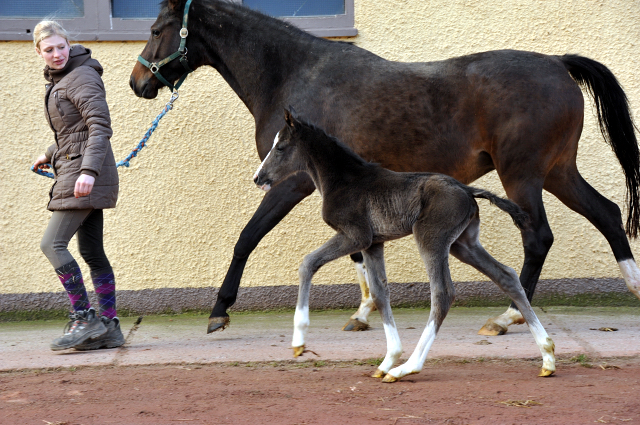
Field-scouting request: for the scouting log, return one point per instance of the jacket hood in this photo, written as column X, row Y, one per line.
column 78, row 55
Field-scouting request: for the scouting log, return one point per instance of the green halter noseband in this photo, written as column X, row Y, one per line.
column 182, row 53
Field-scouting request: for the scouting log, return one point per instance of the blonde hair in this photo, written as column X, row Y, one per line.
column 46, row 29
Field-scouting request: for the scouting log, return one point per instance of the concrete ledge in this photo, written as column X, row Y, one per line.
column 322, row 296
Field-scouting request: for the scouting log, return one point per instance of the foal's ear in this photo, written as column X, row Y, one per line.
column 288, row 117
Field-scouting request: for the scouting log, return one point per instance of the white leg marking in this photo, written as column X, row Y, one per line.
column 300, row 326
column 546, row 345
column 394, row 347
column 366, row 303
column 509, row 317
column 631, row 275
column 419, row 355
column 266, row 187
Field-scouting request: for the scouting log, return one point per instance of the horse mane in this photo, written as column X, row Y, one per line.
column 254, row 17
column 319, row 134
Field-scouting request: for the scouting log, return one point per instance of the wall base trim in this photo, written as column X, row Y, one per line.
column 163, row 300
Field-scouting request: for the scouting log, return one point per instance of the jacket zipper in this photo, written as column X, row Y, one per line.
column 60, row 111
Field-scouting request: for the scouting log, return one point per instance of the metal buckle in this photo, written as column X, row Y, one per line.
column 154, row 68
column 184, row 32
column 174, row 96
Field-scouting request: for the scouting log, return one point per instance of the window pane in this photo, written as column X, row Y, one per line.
column 53, row 9
column 135, row 9
column 297, row 7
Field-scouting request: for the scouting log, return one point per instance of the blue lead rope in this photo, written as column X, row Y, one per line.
column 141, row 144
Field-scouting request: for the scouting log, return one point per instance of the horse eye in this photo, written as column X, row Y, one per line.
column 280, row 148
column 155, row 33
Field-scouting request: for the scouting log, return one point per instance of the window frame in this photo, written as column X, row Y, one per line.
column 98, row 25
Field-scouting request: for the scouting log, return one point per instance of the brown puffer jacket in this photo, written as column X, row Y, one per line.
column 76, row 107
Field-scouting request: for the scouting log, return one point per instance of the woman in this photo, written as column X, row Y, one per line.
column 86, row 182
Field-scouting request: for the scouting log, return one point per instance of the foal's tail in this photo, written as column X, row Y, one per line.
column 616, row 125
column 520, row 218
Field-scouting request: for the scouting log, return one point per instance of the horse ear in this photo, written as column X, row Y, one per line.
column 175, row 5
column 288, row 117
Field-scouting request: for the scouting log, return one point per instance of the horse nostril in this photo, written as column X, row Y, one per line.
column 132, row 84
column 255, row 178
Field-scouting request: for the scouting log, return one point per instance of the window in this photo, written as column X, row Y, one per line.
column 135, row 9
column 131, row 19
column 35, row 8
column 84, row 19
column 324, row 18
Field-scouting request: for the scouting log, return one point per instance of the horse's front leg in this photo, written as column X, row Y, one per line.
column 374, row 263
column 336, row 247
column 275, row 205
column 359, row 321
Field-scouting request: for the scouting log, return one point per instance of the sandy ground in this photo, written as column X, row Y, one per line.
column 316, row 392
column 171, row 372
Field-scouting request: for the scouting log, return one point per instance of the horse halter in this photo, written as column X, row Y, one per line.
column 154, row 67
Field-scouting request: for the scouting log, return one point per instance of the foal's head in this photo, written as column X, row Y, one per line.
column 284, row 157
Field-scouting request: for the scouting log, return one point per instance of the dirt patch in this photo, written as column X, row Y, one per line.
column 584, row 391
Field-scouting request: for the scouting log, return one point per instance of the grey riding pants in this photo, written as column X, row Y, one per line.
column 88, row 225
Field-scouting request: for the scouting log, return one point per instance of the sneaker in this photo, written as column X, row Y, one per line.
column 111, row 339
column 82, row 326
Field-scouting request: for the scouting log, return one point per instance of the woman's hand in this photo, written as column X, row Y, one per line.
column 40, row 162
column 84, row 184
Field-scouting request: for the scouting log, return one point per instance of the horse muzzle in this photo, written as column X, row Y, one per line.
column 143, row 85
column 261, row 182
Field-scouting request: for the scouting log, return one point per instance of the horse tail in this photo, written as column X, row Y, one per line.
column 519, row 217
column 616, row 125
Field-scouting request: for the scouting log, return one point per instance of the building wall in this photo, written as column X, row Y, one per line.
column 188, row 195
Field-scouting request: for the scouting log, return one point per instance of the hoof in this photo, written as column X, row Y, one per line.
column 390, row 378
column 378, row 374
column 217, row 324
column 492, row 329
column 297, row 351
column 546, row 372
column 355, row 325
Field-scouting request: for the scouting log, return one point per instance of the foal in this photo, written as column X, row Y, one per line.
column 368, row 205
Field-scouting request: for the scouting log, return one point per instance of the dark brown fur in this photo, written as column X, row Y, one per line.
column 519, row 113
column 368, row 205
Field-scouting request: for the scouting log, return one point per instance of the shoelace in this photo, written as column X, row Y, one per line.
column 75, row 320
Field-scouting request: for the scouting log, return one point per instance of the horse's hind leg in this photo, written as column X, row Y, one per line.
column 359, row 321
column 438, row 226
column 374, row 262
column 467, row 249
column 436, row 259
column 569, row 187
column 537, row 239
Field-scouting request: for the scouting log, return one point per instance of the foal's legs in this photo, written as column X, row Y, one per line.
column 374, row 262
column 569, row 187
column 537, row 239
column 338, row 246
column 467, row 248
column 435, row 255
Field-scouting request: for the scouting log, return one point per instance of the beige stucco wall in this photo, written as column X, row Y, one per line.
column 187, row 196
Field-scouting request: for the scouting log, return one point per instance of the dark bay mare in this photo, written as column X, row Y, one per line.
column 368, row 205
column 519, row 113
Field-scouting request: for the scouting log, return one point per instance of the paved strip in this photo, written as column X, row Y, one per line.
column 266, row 337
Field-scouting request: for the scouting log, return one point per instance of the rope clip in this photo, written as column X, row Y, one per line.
column 174, row 97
